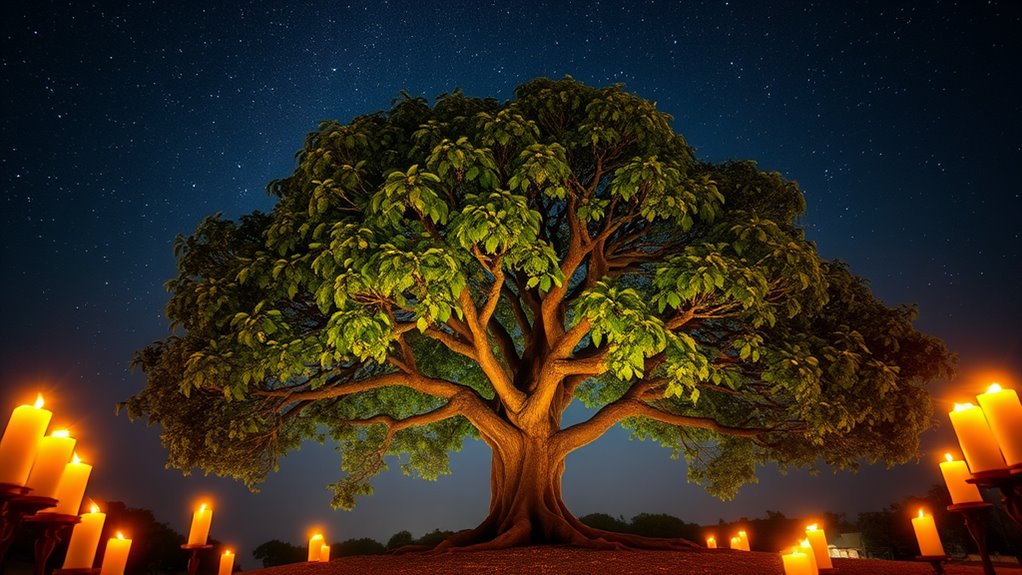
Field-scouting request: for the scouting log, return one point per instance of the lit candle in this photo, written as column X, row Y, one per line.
column 955, row 473
column 805, row 547
column 796, row 563
column 821, row 551
column 71, row 487
column 324, row 553
column 743, row 539
column 978, row 443
column 199, row 532
column 20, row 440
column 226, row 563
column 711, row 542
column 52, row 454
column 926, row 535
column 1003, row 412
column 315, row 546
column 81, row 551
column 116, row 556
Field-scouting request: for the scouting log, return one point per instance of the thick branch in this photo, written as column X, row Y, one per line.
column 510, row 396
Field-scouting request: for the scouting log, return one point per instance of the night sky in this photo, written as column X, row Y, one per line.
column 122, row 126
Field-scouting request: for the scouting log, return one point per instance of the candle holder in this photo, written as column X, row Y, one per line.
column 9, row 518
column 193, row 561
column 1009, row 481
column 935, row 561
column 79, row 571
column 976, row 525
column 53, row 527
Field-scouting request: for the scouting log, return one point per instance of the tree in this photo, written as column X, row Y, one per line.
column 276, row 552
column 430, row 274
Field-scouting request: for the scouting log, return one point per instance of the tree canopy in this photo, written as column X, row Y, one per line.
column 469, row 268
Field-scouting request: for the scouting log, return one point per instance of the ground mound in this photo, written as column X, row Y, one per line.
column 572, row 561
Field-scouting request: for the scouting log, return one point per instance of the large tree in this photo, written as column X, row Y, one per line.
column 471, row 268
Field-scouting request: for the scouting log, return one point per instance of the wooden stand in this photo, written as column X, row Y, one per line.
column 54, row 526
column 81, row 571
column 193, row 561
column 1009, row 481
column 977, row 527
column 935, row 561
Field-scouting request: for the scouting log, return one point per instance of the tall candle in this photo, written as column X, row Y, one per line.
column 315, row 546
column 926, row 535
column 978, row 443
column 20, row 440
column 52, row 454
column 324, row 553
column 226, row 563
column 821, row 551
column 201, row 519
column 116, row 555
column 81, row 551
column 1003, row 412
column 743, row 539
column 807, row 548
column 71, row 487
column 796, row 563
column 711, row 542
column 955, row 473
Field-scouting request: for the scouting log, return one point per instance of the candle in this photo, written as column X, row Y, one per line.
column 977, row 441
column 315, row 546
column 52, row 454
column 71, row 487
column 805, row 547
column 796, row 563
column 81, row 551
column 711, row 542
column 226, row 563
column 743, row 539
column 926, row 535
column 199, row 532
column 821, row 551
column 1003, row 412
column 20, row 440
column 116, row 556
column 324, row 553
column 955, row 473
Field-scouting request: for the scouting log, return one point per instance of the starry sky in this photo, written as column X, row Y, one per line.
column 122, row 124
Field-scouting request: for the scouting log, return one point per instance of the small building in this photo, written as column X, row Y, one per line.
column 847, row 546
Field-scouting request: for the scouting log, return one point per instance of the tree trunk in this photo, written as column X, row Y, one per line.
column 526, row 507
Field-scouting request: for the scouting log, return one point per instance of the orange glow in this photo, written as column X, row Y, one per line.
column 921, row 514
column 948, row 457
column 812, row 527
column 994, row 388
column 805, row 543
column 202, row 507
column 39, row 401
column 741, row 533
column 711, row 538
column 963, row 406
column 120, row 535
column 61, row 433
column 75, row 458
column 93, row 508
column 228, row 552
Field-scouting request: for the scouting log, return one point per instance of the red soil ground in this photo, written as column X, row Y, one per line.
column 570, row 561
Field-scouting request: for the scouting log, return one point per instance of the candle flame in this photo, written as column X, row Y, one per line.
column 39, row 401
column 93, row 508
column 711, row 538
column 812, row 527
column 948, row 457
column 805, row 543
column 228, row 552
column 120, row 535
column 994, row 388
column 75, row 458
column 921, row 514
column 202, row 507
column 60, row 433
column 741, row 533
column 963, row 406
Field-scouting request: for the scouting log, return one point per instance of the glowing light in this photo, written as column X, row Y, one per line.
column 120, row 535
column 228, row 552
column 39, row 401
column 75, row 458
column 812, row 527
column 947, row 457
column 93, row 508
column 994, row 388
column 921, row 514
column 61, row 433
column 202, row 507
column 963, row 406
column 805, row 543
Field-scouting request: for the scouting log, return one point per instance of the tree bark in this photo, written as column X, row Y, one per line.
column 526, row 507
